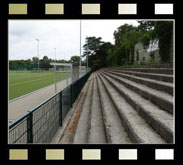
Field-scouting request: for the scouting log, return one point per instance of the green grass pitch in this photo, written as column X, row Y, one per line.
column 24, row 82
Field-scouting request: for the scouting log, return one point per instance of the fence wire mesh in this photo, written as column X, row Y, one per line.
column 45, row 121
column 18, row 132
column 40, row 124
column 66, row 101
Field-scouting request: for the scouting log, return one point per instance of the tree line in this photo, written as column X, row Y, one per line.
column 44, row 63
column 104, row 54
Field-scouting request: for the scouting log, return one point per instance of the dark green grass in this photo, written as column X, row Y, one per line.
column 24, row 82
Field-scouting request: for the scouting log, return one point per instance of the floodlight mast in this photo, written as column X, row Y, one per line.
column 38, row 51
column 55, row 54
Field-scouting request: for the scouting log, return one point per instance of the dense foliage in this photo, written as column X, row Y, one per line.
column 164, row 32
column 101, row 54
column 96, row 51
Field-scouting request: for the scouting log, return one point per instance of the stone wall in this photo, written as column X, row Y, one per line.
column 141, row 54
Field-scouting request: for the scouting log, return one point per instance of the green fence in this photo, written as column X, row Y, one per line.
column 41, row 123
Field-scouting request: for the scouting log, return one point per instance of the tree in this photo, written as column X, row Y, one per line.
column 46, row 63
column 145, row 26
column 96, row 49
column 35, row 61
column 28, row 64
column 126, row 36
column 75, row 60
column 120, row 32
column 164, row 32
column 92, row 45
column 100, row 59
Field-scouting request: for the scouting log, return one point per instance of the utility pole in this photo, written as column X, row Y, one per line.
column 38, row 51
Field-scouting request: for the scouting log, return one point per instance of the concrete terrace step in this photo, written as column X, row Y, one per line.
column 68, row 135
column 115, row 131
column 149, row 66
column 83, row 125
column 162, row 99
column 161, row 86
column 168, row 71
column 137, row 128
column 115, row 107
column 160, row 120
column 96, row 132
column 61, row 131
column 159, row 77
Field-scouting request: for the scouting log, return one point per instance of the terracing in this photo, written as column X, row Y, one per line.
column 122, row 106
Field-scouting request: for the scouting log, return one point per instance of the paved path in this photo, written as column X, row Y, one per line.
column 19, row 106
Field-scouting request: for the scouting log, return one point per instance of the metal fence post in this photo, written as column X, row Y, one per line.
column 29, row 129
column 60, row 110
column 71, row 95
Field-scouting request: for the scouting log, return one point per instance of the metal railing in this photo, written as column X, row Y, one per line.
column 41, row 123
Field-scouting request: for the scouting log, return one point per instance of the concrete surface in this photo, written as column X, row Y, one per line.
column 19, row 106
column 118, row 108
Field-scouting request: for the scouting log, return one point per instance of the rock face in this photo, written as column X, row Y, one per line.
column 123, row 106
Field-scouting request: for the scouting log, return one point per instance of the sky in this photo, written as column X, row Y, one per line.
column 64, row 35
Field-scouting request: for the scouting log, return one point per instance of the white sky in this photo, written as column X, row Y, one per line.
column 64, row 35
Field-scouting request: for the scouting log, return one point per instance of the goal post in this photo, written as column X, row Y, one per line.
column 76, row 71
column 65, row 65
